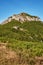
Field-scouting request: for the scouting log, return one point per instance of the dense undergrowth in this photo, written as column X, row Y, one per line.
column 26, row 40
column 31, row 49
column 32, row 31
column 27, row 53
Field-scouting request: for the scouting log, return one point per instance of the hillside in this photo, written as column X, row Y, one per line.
column 28, row 31
column 21, row 41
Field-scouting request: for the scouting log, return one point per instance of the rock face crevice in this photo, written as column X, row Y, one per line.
column 22, row 17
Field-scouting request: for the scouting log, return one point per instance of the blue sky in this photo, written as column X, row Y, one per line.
column 10, row 7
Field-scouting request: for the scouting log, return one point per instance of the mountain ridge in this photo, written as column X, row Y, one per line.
column 22, row 17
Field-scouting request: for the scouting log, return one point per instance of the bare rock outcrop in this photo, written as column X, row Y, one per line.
column 22, row 17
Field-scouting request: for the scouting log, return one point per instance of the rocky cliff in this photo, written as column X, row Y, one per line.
column 22, row 17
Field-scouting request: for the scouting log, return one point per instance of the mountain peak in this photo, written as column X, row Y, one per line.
column 22, row 17
column 23, row 13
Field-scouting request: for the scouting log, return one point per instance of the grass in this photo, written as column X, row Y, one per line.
column 33, row 31
column 25, row 53
column 27, row 44
column 30, row 48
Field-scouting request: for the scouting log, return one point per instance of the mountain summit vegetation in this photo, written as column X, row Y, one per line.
column 21, row 40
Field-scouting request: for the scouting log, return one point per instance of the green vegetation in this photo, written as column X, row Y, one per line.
column 25, row 53
column 32, row 31
column 26, row 40
column 31, row 49
column 25, row 14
